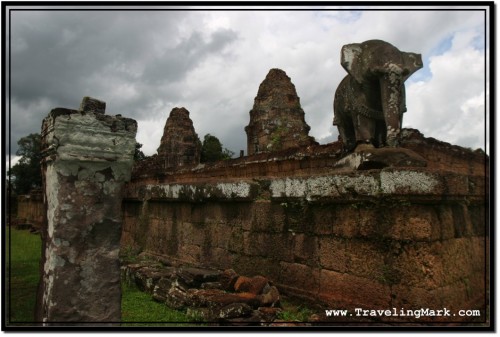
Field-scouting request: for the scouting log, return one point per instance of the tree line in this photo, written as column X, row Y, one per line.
column 26, row 174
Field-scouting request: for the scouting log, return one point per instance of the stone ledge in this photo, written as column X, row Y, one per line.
column 234, row 191
column 416, row 183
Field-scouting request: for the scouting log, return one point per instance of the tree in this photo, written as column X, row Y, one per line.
column 138, row 154
column 27, row 174
column 211, row 150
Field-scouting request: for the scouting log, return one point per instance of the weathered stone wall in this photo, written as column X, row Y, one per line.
column 377, row 239
column 87, row 158
column 310, row 160
column 382, row 238
column 30, row 210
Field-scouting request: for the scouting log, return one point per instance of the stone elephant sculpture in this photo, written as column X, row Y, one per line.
column 370, row 101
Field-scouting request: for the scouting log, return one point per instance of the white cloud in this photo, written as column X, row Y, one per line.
column 143, row 64
column 450, row 105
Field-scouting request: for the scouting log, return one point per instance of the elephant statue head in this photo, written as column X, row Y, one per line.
column 369, row 103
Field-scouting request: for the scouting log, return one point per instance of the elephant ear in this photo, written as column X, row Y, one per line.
column 411, row 63
column 350, row 59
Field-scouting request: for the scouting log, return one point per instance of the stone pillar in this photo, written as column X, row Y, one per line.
column 88, row 156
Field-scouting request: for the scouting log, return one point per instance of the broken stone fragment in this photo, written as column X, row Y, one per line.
column 90, row 104
column 228, row 278
column 211, row 285
column 271, row 298
column 161, row 289
column 253, row 285
column 147, row 277
column 195, row 277
column 234, row 310
column 254, row 319
column 369, row 158
column 177, row 299
column 269, row 314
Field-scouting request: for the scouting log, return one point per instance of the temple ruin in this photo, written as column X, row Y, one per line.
column 277, row 120
column 179, row 145
column 378, row 228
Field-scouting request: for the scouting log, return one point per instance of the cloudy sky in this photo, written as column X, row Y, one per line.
column 144, row 63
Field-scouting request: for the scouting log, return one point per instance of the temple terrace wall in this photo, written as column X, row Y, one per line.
column 393, row 237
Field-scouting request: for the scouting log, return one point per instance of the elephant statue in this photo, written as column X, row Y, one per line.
column 370, row 101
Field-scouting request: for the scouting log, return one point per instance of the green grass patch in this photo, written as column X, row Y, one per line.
column 23, row 251
column 293, row 312
column 138, row 306
column 22, row 261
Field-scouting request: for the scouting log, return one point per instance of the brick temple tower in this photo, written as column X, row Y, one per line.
column 277, row 120
column 180, row 145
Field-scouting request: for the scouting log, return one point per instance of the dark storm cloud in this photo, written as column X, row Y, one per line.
column 177, row 61
column 59, row 57
column 144, row 63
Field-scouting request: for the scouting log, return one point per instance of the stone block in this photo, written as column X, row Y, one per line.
column 377, row 158
column 270, row 296
column 253, row 265
column 253, row 285
column 146, row 278
column 269, row 314
column 90, row 104
column 415, row 298
column 219, row 257
column 413, row 222
column 348, row 291
column 300, row 276
column 234, row 310
column 236, row 240
column 228, row 278
column 332, row 254
column 161, row 289
column 460, row 258
column 367, row 259
column 410, row 182
column 190, row 253
column 218, row 233
column 266, row 216
column 421, row 265
column 275, row 246
column 305, row 249
column 446, row 223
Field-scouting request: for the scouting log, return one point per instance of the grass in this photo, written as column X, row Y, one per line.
column 293, row 312
column 23, row 250
column 23, row 258
column 138, row 306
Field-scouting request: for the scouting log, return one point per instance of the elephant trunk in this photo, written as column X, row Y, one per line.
column 391, row 85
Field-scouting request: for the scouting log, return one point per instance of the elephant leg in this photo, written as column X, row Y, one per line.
column 380, row 134
column 365, row 129
column 346, row 131
column 391, row 96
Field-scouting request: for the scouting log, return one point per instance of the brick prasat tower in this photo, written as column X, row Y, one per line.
column 179, row 144
column 277, row 119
